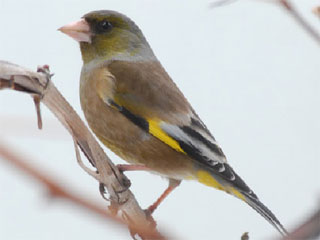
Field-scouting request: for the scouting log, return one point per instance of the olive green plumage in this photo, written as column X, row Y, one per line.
column 123, row 38
column 136, row 110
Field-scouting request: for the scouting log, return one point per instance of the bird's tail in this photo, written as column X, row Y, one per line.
column 255, row 203
column 238, row 188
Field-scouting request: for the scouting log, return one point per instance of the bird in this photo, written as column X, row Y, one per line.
column 136, row 110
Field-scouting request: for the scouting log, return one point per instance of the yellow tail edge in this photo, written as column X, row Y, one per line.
column 207, row 179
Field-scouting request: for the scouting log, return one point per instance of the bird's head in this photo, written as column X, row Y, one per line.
column 108, row 35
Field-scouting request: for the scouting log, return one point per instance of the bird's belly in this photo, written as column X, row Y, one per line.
column 132, row 143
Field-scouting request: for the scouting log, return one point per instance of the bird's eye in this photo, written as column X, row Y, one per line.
column 104, row 26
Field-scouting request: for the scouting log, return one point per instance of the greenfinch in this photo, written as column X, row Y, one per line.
column 136, row 110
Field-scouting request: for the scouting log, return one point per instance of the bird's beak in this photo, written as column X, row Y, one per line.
column 79, row 31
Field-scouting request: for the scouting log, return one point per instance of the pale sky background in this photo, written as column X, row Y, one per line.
column 248, row 69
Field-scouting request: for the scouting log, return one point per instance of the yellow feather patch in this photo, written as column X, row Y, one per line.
column 206, row 178
column 156, row 131
column 236, row 193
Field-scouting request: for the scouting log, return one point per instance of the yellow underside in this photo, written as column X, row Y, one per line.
column 207, row 179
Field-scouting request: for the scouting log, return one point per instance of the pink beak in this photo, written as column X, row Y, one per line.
column 79, row 31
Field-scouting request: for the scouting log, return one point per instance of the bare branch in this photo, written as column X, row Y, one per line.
column 287, row 5
column 316, row 11
column 309, row 229
column 299, row 19
column 36, row 100
column 82, row 165
column 220, row 3
column 245, row 236
column 39, row 84
column 54, row 189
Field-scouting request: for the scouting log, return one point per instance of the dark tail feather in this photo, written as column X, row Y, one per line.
column 265, row 212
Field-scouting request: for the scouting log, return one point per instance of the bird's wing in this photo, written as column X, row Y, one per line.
column 145, row 94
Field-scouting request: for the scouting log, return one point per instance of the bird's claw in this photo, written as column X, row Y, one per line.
column 103, row 192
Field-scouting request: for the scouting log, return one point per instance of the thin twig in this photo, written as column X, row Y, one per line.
column 54, row 189
column 289, row 7
column 300, row 19
column 245, row 236
column 309, row 229
column 221, row 3
column 82, row 165
column 57, row 191
column 36, row 100
column 316, row 11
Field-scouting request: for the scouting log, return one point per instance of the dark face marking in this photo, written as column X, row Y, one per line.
column 99, row 26
column 103, row 26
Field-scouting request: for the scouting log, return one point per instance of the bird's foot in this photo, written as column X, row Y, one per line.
column 172, row 185
column 129, row 167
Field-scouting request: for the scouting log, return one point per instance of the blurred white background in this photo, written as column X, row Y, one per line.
column 249, row 70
